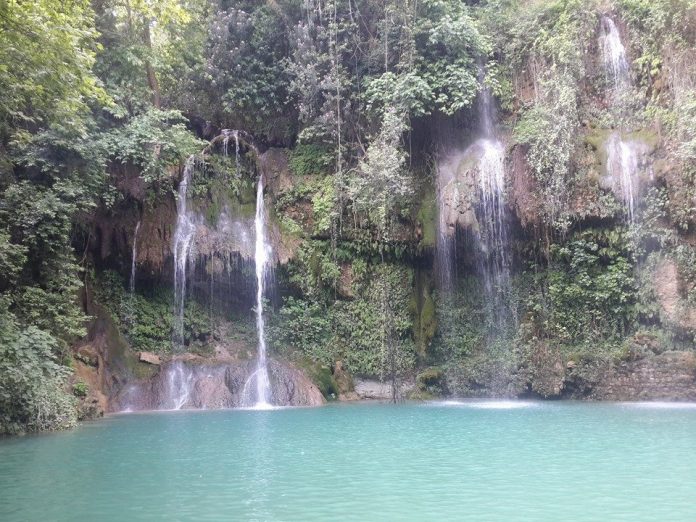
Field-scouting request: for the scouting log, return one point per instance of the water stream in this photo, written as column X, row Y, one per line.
column 183, row 237
column 257, row 389
column 134, row 256
column 622, row 156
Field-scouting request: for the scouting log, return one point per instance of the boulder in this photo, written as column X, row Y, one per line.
column 149, row 358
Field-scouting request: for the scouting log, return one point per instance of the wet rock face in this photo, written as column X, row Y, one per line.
column 196, row 383
column 458, row 175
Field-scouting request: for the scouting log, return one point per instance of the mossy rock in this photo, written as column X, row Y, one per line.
column 427, row 220
column 430, row 380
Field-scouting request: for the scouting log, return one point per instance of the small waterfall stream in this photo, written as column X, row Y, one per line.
column 257, row 389
column 134, row 255
column 614, row 55
column 622, row 157
column 183, row 237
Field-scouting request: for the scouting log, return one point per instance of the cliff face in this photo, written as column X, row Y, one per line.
column 580, row 284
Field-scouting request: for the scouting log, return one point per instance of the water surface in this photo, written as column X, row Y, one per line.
column 451, row 460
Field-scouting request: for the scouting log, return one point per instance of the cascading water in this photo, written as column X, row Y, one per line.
column 134, row 255
column 614, row 54
column 183, row 237
column 257, row 389
column 622, row 162
column 622, row 157
column 179, row 382
column 493, row 230
column 492, row 214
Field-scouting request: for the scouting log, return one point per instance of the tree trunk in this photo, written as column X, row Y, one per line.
column 151, row 76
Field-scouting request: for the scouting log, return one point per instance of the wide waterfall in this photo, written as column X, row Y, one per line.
column 134, row 255
column 622, row 158
column 257, row 389
column 183, row 237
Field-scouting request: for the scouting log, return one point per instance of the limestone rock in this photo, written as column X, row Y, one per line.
column 675, row 309
column 149, row 357
column 196, row 382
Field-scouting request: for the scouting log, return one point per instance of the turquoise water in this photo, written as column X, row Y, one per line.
column 474, row 461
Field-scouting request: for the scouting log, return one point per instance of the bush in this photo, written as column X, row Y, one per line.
column 33, row 393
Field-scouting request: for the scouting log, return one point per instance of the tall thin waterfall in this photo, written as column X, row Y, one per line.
column 492, row 215
column 134, row 255
column 225, row 147
column 446, row 237
column 622, row 158
column 183, row 237
column 257, row 389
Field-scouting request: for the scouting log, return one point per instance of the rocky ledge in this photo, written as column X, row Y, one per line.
column 192, row 382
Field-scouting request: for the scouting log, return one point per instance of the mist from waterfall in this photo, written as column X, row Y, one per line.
column 257, row 389
column 183, row 237
column 622, row 157
column 134, row 255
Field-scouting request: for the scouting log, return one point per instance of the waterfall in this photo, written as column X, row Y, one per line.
column 227, row 133
column 492, row 214
column 183, row 237
column 614, row 54
column 179, row 383
column 134, row 255
column 493, row 230
column 622, row 162
column 257, row 389
column 235, row 134
column 622, row 157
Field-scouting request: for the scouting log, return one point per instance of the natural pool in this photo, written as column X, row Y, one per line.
column 470, row 460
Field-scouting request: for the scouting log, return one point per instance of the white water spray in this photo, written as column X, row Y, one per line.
column 134, row 255
column 257, row 389
column 183, row 237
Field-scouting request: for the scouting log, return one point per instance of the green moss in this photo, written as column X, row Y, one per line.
column 306, row 159
column 427, row 219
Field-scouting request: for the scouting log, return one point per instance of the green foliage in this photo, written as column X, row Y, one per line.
column 370, row 333
column 147, row 321
column 310, row 159
column 152, row 141
column 32, row 383
column 304, row 326
column 461, row 316
column 80, row 389
column 46, row 72
column 589, row 291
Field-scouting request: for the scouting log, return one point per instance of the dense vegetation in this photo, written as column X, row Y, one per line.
column 362, row 95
